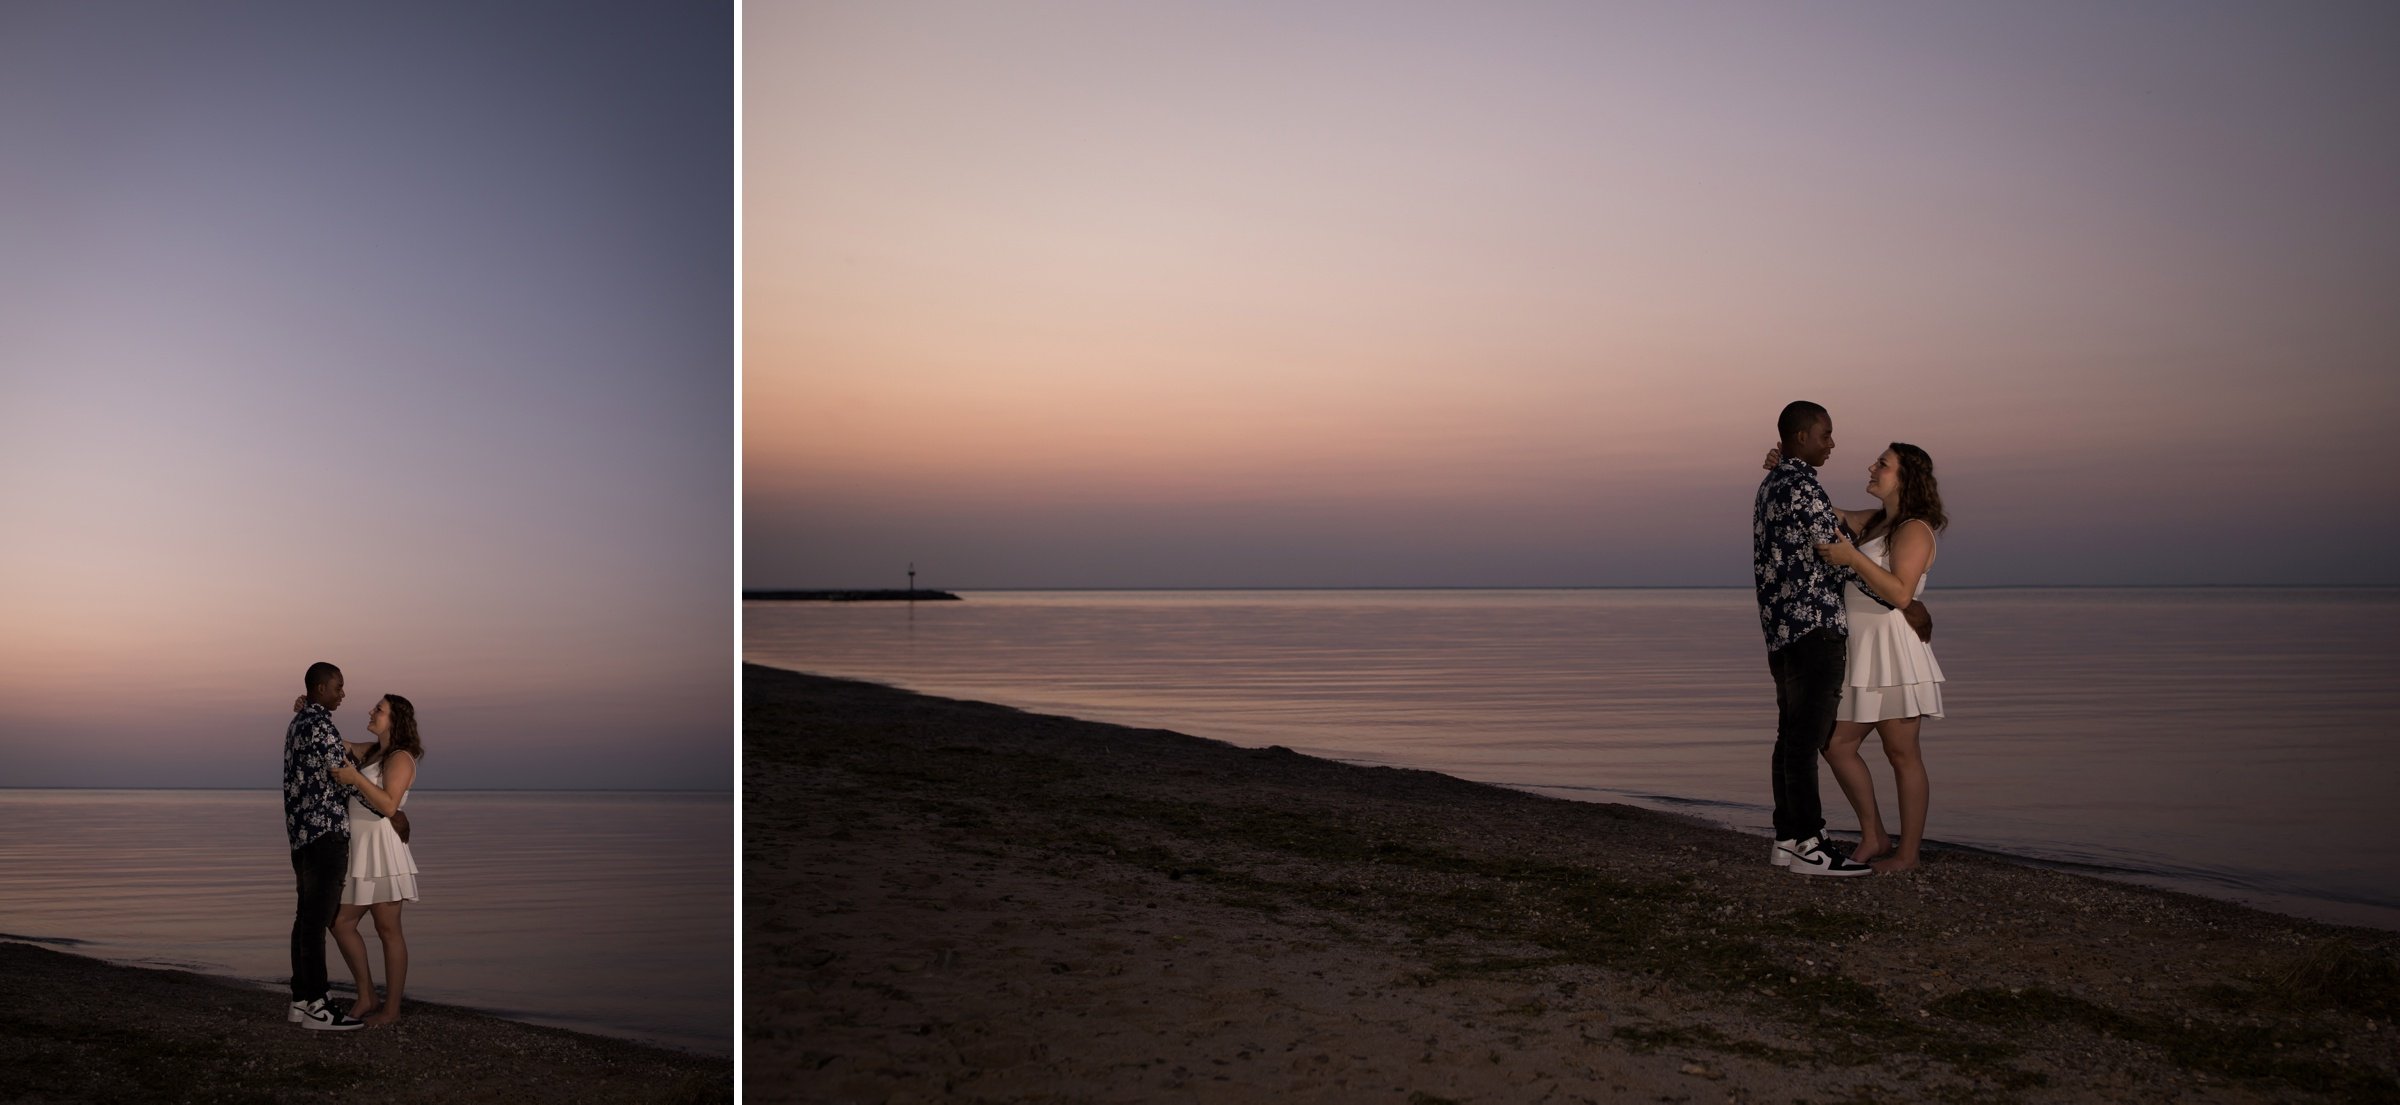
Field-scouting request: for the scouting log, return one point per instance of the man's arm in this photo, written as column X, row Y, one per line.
column 330, row 749
column 398, row 772
column 1855, row 519
column 1824, row 527
column 358, row 751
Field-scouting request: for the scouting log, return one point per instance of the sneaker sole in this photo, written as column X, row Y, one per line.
column 325, row 1026
column 1819, row 872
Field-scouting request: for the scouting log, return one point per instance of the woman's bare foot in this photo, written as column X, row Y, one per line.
column 363, row 1006
column 1894, row 865
column 1867, row 852
column 389, row 1015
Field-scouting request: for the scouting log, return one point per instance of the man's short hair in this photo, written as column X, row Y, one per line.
column 1797, row 417
column 320, row 674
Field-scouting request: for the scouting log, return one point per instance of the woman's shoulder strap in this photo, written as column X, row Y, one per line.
column 1929, row 535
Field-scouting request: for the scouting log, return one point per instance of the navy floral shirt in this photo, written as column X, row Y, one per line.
column 313, row 804
column 1798, row 592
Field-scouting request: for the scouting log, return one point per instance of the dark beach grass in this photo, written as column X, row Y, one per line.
column 74, row 1029
column 958, row 901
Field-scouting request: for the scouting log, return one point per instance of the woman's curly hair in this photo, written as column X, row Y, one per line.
column 1920, row 493
column 404, row 731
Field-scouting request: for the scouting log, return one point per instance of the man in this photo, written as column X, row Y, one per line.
column 316, row 815
column 1800, row 607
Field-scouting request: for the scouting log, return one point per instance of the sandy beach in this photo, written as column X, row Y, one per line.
column 960, row 901
column 74, row 1029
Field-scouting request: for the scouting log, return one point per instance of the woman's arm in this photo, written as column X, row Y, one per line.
column 398, row 772
column 1912, row 551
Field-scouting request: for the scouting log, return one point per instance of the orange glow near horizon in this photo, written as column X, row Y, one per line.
column 1164, row 281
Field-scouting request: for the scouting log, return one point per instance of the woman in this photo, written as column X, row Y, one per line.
column 1892, row 683
column 382, row 872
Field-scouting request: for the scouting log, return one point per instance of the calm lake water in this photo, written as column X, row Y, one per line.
column 609, row 913
column 2238, row 743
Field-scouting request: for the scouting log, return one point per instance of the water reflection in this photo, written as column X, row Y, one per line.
column 602, row 912
column 2216, row 737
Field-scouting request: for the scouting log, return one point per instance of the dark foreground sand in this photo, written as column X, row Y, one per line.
column 79, row 1030
column 954, row 901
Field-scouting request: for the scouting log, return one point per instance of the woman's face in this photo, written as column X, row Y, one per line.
column 379, row 720
column 1883, row 476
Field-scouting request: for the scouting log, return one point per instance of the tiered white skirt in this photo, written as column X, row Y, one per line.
column 1890, row 673
column 381, row 867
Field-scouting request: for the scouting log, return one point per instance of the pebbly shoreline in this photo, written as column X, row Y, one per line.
column 950, row 900
column 80, row 1029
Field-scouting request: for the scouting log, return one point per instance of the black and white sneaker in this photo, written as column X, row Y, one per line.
column 322, row 1016
column 1811, row 857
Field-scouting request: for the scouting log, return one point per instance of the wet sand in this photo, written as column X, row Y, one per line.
column 958, row 901
column 74, row 1029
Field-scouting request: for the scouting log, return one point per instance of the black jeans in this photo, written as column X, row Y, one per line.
column 1808, row 696
column 318, row 868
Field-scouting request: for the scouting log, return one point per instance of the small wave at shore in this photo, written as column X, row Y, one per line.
column 60, row 941
column 2263, row 889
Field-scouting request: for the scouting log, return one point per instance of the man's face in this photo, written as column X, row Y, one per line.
column 1816, row 443
column 333, row 694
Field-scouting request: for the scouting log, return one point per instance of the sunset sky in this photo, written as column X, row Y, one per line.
column 1205, row 294
column 394, row 335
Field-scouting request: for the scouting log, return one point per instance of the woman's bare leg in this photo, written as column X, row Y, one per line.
column 1908, row 770
column 395, row 961
column 354, row 953
column 1841, row 754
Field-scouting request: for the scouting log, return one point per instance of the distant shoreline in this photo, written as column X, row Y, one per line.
column 849, row 596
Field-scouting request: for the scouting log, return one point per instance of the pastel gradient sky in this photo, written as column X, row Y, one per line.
column 394, row 335
column 1341, row 294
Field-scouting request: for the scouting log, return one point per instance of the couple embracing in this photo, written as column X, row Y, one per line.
column 1848, row 641
column 342, row 804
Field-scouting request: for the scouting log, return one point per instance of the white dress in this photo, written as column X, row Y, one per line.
column 1890, row 673
column 381, row 868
